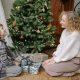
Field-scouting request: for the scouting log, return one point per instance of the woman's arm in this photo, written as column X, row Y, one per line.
column 68, row 49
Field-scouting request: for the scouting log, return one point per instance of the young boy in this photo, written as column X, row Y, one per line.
column 4, row 70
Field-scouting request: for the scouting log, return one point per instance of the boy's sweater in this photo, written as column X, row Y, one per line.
column 3, row 58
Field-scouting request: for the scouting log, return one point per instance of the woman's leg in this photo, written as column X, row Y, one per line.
column 55, row 69
column 48, row 62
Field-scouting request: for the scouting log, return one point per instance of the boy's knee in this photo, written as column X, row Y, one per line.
column 13, row 71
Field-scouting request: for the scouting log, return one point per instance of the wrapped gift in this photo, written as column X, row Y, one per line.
column 30, row 66
column 26, row 63
column 31, row 62
column 25, row 68
column 34, row 69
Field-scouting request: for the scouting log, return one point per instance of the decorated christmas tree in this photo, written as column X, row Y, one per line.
column 30, row 25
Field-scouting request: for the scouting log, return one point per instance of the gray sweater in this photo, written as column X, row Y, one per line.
column 3, row 58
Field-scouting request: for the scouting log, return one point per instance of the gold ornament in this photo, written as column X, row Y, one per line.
column 49, row 26
column 38, row 31
column 41, row 18
column 18, row 7
column 16, row 28
column 14, row 23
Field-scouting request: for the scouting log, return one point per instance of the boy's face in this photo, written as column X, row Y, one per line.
column 2, row 32
column 64, row 21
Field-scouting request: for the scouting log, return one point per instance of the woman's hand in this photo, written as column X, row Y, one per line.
column 48, row 62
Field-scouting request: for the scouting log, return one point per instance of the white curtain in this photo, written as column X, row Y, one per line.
column 3, row 21
column 75, row 3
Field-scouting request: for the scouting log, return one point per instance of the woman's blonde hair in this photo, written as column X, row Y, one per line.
column 73, row 20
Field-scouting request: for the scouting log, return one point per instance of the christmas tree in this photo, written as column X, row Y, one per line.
column 30, row 25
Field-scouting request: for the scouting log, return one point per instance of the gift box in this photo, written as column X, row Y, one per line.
column 25, row 68
column 31, row 63
column 33, row 69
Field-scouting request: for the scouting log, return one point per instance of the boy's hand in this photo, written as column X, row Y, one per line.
column 2, row 33
column 17, row 63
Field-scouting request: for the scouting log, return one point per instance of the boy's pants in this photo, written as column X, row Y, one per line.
column 13, row 71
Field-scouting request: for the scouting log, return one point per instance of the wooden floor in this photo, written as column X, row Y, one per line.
column 42, row 76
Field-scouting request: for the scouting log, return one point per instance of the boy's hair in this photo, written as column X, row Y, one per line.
column 73, row 20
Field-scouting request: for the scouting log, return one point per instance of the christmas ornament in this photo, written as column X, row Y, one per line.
column 21, row 37
column 18, row 7
column 49, row 26
column 41, row 18
column 43, row 9
column 14, row 23
column 38, row 31
column 16, row 28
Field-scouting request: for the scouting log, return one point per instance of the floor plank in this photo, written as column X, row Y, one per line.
column 42, row 76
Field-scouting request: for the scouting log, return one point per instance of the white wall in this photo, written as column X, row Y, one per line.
column 75, row 2
column 7, row 5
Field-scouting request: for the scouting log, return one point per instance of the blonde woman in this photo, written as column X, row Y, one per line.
column 66, row 58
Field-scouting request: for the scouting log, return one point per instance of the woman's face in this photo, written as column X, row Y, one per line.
column 64, row 21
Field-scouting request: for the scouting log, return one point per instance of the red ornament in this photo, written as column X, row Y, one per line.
column 38, row 31
column 21, row 37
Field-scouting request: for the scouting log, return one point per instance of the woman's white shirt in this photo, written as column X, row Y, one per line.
column 69, row 46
